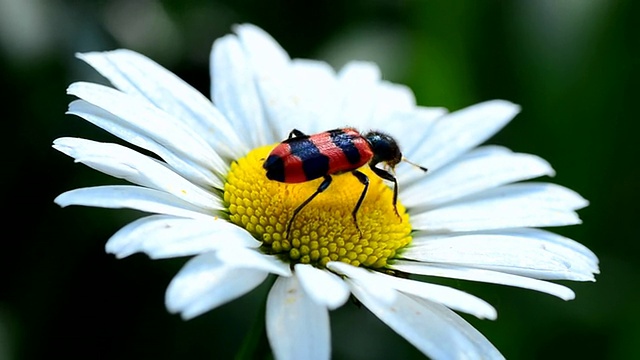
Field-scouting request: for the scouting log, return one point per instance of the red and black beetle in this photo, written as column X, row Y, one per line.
column 302, row 158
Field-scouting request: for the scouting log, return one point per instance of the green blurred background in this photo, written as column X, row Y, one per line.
column 572, row 65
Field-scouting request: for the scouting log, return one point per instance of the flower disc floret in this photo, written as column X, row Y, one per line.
column 324, row 230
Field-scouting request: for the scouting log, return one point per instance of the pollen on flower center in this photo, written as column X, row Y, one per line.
column 324, row 230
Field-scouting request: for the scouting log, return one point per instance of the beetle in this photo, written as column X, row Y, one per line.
column 301, row 158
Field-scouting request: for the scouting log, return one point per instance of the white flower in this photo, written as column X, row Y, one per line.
column 468, row 218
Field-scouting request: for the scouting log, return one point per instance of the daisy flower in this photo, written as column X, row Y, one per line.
column 202, row 180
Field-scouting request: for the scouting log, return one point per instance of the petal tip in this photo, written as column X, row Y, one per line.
column 61, row 200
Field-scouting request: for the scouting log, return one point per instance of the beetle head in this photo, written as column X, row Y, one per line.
column 385, row 149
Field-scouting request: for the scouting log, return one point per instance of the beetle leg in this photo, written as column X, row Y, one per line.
column 296, row 133
column 365, row 181
column 388, row 176
column 323, row 186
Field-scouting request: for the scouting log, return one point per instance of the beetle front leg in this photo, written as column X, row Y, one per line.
column 365, row 181
column 388, row 176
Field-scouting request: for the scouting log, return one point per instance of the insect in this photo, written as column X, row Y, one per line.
column 302, row 158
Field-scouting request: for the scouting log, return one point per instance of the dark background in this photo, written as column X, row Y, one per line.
column 572, row 65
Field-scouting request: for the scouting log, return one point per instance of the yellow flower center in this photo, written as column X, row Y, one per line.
column 324, row 230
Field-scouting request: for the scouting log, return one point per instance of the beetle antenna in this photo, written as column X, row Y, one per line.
column 414, row 164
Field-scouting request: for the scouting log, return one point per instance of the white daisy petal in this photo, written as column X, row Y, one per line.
column 138, row 75
column 264, row 52
column 322, row 286
column 161, row 236
column 363, row 276
column 390, row 98
column 488, row 276
column 362, row 75
column 143, row 119
column 427, row 326
column 113, row 124
column 483, row 346
column 358, row 81
column 471, row 173
column 241, row 257
column 148, row 119
column 515, row 254
column 422, row 118
column 272, row 67
column 314, row 95
column 460, row 131
column 570, row 245
column 291, row 90
column 124, row 163
column 510, row 206
column 281, row 106
column 450, row 297
column 453, row 298
column 234, row 91
column 546, row 194
column 131, row 197
column 297, row 326
column 307, row 91
column 205, row 283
